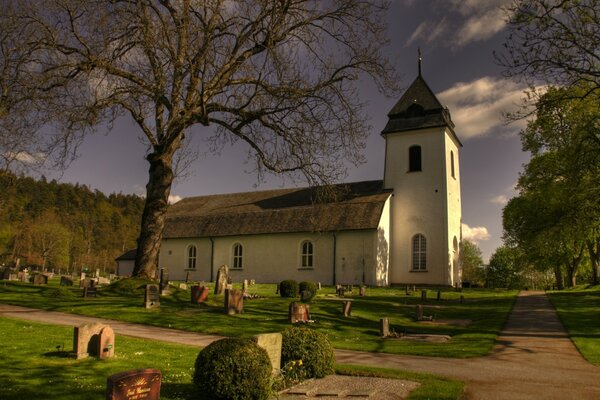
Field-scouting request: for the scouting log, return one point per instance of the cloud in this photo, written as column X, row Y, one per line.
column 501, row 199
column 476, row 107
column 174, row 199
column 25, row 157
column 480, row 27
column 475, row 234
column 428, row 31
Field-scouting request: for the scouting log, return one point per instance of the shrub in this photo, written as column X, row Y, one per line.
column 128, row 286
column 310, row 287
column 311, row 347
column 62, row 292
column 233, row 368
column 288, row 288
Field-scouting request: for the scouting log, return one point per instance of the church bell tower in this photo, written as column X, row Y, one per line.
column 422, row 169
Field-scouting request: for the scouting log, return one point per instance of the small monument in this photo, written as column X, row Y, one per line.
column 298, row 312
column 347, row 308
column 164, row 281
column 271, row 342
column 439, row 295
column 199, row 294
column 96, row 339
column 245, row 286
column 222, row 279
column 384, row 327
column 134, row 384
column 234, row 301
column 40, row 279
column 152, row 298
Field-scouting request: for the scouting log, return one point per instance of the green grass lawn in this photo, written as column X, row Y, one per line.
column 31, row 367
column 579, row 311
column 487, row 309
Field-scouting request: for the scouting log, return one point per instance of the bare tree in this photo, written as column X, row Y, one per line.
column 280, row 76
column 554, row 42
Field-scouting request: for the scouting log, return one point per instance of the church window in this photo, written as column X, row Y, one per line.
column 452, row 163
column 238, row 256
column 419, row 253
column 307, row 254
column 191, row 257
column 414, row 158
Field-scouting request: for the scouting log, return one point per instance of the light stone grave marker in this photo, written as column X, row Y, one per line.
column 271, row 342
column 96, row 339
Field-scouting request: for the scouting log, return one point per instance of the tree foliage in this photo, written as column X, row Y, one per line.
column 556, row 215
column 554, row 42
column 505, row 268
column 278, row 76
column 63, row 226
column 472, row 263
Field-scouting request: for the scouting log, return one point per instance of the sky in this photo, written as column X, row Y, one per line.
column 457, row 39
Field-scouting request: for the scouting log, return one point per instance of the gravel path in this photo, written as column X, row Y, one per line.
column 533, row 357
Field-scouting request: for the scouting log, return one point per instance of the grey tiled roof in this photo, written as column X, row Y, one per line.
column 357, row 206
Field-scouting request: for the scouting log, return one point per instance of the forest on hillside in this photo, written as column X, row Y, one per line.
column 64, row 227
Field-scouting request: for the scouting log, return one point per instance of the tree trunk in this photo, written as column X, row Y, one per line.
column 593, row 247
column 153, row 218
column 559, row 278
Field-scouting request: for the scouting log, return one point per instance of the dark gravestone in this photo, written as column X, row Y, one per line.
column 306, row 295
column 66, row 281
column 135, row 384
column 339, row 290
column 298, row 312
column 89, row 291
column 423, row 295
column 439, row 295
column 40, row 279
column 5, row 274
column 152, row 298
column 199, row 294
column 419, row 312
column 462, row 298
column 164, row 281
column 222, row 279
column 384, row 327
column 347, row 308
column 234, row 301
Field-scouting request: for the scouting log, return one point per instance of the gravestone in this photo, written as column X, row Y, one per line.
column 252, row 282
column 407, row 291
column 271, row 342
column 89, row 291
column 96, row 339
column 462, row 298
column 245, row 286
column 5, row 274
column 103, row 281
column 164, row 281
column 439, row 295
column 66, row 281
column 423, row 295
column 362, row 291
column 97, row 274
column 347, row 308
column 319, row 285
column 339, row 290
column 135, row 384
column 384, row 327
column 222, row 279
column 199, row 294
column 82, row 282
column 183, row 286
column 419, row 312
column 152, row 298
column 40, row 279
column 12, row 277
column 298, row 312
column 306, row 295
column 23, row 276
column 234, row 301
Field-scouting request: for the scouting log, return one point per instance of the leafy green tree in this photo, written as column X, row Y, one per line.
column 279, row 77
column 504, row 270
column 472, row 263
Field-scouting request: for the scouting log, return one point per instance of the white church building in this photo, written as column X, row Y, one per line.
column 404, row 229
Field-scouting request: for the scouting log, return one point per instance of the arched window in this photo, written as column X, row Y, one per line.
column 191, row 257
column 419, row 253
column 414, row 158
column 452, row 163
column 307, row 254
column 238, row 253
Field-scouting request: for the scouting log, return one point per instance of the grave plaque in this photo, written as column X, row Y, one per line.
column 384, row 327
column 152, row 299
column 298, row 312
column 137, row 384
column 271, row 342
column 234, row 301
column 199, row 294
column 222, row 279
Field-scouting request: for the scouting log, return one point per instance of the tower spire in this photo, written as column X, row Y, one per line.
column 420, row 60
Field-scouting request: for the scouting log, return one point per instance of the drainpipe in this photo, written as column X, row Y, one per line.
column 334, row 256
column 212, row 256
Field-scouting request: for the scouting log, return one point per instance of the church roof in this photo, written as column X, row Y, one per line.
column 418, row 108
column 356, row 206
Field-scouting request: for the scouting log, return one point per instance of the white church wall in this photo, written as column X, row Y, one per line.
column 355, row 257
column 382, row 241
column 418, row 205
column 454, row 210
column 174, row 257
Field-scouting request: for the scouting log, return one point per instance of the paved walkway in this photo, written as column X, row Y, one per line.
column 533, row 357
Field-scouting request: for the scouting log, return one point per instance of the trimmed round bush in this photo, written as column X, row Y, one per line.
column 312, row 347
column 233, row 369
column 308, row 287
column 288, row 288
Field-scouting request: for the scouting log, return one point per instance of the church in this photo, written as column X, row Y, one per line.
column 404, row 229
